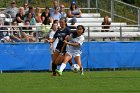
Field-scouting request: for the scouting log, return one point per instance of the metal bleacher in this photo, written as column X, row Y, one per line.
column 88, row 20
column 92, row 22
column 93, row 28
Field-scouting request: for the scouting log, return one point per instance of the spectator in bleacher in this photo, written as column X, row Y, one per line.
column 27, row 33
column 55, row 5
column 6, row 33
column 26, row 8
column 62, row 10
column 20, row 15
column 56, row 15
column 31, row 18
column 15, row 34
column 31, row 10
column 105, row 28
column 72, row 25
column 74, row 11
column 38, row 15
column 45, row 16
column 106, row 22
column 12, row 10
column 2, row 17
column 1, row 28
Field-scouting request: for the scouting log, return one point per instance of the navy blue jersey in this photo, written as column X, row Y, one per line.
column 61, row 34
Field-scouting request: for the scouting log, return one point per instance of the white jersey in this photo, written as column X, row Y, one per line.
column 74, row 49
column 56, row 41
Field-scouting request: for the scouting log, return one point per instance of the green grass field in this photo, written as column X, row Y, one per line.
column 91, row 82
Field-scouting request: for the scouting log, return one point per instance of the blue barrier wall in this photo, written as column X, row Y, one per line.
column 36, row 56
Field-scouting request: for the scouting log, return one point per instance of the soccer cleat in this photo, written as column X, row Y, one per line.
column 58, row 72
column 81, row 73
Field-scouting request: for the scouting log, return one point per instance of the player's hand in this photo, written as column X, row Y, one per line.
column 46, row 40
column 65, row 41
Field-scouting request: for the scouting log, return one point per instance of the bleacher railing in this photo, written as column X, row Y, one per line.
column 119, row 10
column 92, row 33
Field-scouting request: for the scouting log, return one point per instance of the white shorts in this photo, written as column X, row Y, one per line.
column 74, row 54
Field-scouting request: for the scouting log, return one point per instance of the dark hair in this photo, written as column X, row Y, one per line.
column 74, row 34
column 53, row 24
column 31, row 7
column 6, row 23
column 47, row 8
column 55, row 21
column 72, row 8
column 65, row 19
column 27, row 21
column 28, row 14
column 82, row 27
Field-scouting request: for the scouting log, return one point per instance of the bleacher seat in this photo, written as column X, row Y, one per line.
column 112, row 34
column 8, row 20
column 2, row 16
column 88, row 20
column 97, row 26
column 90, row 15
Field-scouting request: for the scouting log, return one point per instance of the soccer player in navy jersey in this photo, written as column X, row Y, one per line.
column 62, row 34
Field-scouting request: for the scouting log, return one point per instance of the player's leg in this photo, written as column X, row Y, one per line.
column 59, row 59
column 67, row 57
column 77, row 59
column 70, row 62
column 51, row 51
column 54, row 66
column 50, row 68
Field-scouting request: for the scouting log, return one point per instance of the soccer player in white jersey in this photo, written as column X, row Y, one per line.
column 73, row 49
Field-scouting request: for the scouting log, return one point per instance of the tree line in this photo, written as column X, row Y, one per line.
column 133, row 2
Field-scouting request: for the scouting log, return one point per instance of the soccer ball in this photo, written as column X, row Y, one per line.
column 75, row 68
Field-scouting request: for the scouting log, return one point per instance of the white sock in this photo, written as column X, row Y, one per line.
column 62, row 67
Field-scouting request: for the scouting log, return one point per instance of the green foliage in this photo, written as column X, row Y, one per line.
column 133, row 2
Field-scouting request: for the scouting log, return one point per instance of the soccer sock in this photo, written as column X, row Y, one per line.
column 62, row 67
column 54, row 68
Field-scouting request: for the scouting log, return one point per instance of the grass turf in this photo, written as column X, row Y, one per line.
column 91, row 82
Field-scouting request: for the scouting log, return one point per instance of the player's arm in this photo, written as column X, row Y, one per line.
column 77, row 43
column 67, row 39
column 50, row 40
column 72, row 44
